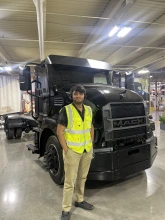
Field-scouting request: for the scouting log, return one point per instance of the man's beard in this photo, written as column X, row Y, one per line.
column 77, row 102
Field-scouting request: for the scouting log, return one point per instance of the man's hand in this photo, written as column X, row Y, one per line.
column 60, row 134
column 65, row 150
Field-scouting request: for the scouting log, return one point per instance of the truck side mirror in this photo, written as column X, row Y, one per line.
column 116, row 79
column 129, row 81
column 25, row 79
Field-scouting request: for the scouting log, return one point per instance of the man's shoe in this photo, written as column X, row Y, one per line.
column 65, row 216
column 84, row 205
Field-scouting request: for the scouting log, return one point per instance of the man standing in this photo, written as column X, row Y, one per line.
column 76, row 134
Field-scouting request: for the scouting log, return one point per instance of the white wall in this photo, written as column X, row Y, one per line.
column 10, row 95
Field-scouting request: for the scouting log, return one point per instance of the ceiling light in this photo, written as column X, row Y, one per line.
column 124, row 31
column 1, row 68
column 113, row 31
column 143, row 71
column 8, row 68
column 151, row 76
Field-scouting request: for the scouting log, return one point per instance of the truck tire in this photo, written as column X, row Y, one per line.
column 54, row 160
column 17, row 133
column 10, row 133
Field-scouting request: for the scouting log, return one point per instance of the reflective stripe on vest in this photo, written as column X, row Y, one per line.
column 77, row 132
column 89, row 110
column 70, row 116
column 77, row 144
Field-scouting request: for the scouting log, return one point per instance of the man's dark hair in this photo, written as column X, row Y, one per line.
column 78, row 88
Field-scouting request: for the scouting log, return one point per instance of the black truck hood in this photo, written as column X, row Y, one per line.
column 101, row 94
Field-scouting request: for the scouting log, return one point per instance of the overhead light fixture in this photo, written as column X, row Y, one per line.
column 143, row 71
column 113, row 31
column 124, row 31
column 1, row 68
column 151, row 76
column 8, row 68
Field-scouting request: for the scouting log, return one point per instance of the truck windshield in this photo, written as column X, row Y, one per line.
column 62, row 77
column 100, row 78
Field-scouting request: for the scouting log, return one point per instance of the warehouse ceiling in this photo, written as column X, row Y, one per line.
column 30, row 30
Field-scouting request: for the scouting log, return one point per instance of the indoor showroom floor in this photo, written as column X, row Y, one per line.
column 28, row 193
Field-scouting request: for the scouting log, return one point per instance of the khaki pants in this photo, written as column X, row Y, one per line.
column 76, row 168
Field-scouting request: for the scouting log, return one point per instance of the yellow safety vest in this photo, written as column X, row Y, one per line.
column 77, row 133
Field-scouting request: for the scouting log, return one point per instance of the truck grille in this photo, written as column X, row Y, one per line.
column 124, row 124
column 127, row 110
column 129, row 132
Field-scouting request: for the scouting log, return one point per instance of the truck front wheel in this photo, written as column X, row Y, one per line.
column 18, row 132
column 54, row 160
column 10, row 133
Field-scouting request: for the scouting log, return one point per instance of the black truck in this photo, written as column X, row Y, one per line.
column 124, row 143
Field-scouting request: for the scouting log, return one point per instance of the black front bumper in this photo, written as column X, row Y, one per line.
column 112, row 166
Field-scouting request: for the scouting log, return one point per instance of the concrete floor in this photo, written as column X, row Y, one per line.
column 28, row 193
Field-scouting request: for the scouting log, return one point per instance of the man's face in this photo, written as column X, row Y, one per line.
column 78, row 97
